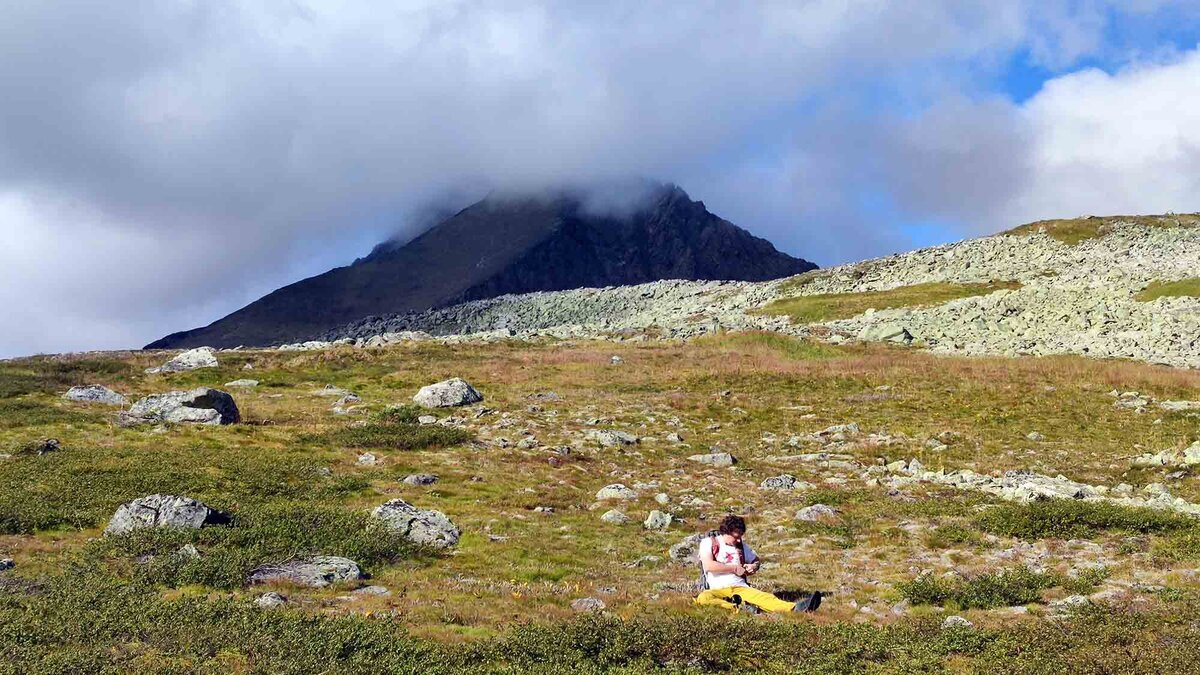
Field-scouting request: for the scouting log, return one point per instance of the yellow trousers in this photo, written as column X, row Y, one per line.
column 760, row 599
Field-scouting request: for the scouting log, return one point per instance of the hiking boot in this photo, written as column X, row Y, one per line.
column 743, row 606
column 809, row 603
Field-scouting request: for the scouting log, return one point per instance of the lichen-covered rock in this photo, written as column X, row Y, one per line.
column 198, row 406
column 421, row 526
column 242, row 383
column 95, row 393
column 420, row 479
column 200, row 357
column 270, row 600
column 783, row 482
column 163, row 511
column 314, row 571
column 447, row 394
column 657, row 520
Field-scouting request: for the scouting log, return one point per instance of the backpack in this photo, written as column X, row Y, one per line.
column 716, row 546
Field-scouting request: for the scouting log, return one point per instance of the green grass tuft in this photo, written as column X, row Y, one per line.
column 1170, row 289
column 828, row 307
column 1006, row 588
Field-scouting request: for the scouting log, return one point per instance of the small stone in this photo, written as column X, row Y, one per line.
column 616, row 491
column 614, row 517
column 421, row 479
column 588, row 604
column 817, row 513
column 955, row 621
column 242, row 383
column 1035, row 437
column 674, row 437
column 270, row 600
column 373, row 591
column 616, row 360
column 719, row 459
column 427, row 419
column 657, row 520
column 782, row 482
column 187, row 551
column 42, row 447
column 611, row 438
column 662, row 498
column 6, row 564
column 367, row 459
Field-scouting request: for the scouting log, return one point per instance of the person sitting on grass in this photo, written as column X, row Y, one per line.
column 726, row 561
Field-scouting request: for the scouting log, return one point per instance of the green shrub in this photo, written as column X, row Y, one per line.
column 1067, row 518
column 399, row 414
column 951, row 536
column 391, row 435
column 1015, row 586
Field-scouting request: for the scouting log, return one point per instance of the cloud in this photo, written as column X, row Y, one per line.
column 1088, row 142
column 170, row 161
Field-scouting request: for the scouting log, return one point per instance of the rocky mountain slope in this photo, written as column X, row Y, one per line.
column 1065, row 294
column 507, row 245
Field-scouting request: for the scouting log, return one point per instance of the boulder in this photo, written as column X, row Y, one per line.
column 200, row 357
column 95, row 393
column 685, row 551
column 447, row 394
column 420, row 479
column 198, row 406
column 314, row 571
column 657, row 520
column 955, row 621
column 242, row 383
column 616, row 491
column 163, row 511
column 715, row 459
column 885, row 332
column 421, row 526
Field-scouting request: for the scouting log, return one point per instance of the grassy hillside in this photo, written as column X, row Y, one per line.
column 532, row 538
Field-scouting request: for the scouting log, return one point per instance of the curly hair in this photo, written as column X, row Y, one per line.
column 731, row 524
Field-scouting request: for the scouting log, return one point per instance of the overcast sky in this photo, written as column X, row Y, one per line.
column 164, row 163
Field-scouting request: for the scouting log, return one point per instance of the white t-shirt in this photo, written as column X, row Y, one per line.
column 727, row 555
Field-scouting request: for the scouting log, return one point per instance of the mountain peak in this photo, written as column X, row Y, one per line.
column 570, row 237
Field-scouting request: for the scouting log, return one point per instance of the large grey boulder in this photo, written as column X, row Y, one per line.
column 421, row 526
column 163, row 511
column 95, row 393
column 314, row 571
column 198, row 406
column 200, row 357
column 447, row 394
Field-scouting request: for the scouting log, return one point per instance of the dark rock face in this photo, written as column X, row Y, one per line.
column 507, row 245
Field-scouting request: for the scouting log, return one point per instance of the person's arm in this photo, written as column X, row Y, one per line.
column 753, row 562
column 711, row 565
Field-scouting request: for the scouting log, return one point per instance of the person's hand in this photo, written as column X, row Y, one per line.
column 739, row 570
column 752, row 568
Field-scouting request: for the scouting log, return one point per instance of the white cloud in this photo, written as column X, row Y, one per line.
column 173, row 160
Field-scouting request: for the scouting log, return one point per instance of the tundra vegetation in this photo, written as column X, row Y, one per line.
column 1045, row 586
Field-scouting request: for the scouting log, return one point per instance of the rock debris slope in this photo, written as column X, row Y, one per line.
column 1073, row 298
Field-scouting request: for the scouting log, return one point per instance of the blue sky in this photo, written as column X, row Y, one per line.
column 184, row 159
